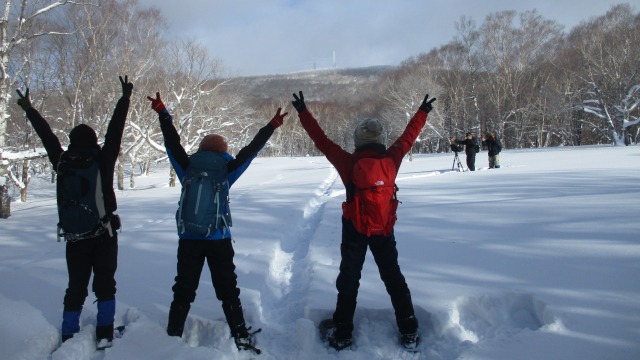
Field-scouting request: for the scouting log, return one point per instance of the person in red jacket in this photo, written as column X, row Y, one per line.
column 368, row 144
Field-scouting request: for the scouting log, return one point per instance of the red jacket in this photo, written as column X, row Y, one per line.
column 344, row 161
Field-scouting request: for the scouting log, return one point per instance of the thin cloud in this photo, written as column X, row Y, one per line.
column 278, row 36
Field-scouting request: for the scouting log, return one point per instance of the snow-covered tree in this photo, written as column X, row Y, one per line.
column 404, row 92
column 609, row 79
column 22, row 22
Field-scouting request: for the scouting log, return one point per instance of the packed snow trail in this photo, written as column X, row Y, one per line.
column 289, row 270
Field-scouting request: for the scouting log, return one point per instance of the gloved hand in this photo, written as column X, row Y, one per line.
column 278, row 119
column 426, row 105
column 24, row 101
column 156, row 104
column 298, row 103
column 127, row 87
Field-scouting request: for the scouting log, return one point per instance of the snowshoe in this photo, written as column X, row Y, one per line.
column 246, row 341
column 329, row 333
column 119, row 331
column 104, row 336
column 410, row 341
column 102, row 344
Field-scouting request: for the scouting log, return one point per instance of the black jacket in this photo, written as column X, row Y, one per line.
column 493, row 146
column 108, row 154
column 469, row 146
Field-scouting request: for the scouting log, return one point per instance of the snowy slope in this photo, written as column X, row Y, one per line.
column 537, row 260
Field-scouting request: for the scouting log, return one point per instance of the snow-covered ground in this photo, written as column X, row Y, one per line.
column 537, row 260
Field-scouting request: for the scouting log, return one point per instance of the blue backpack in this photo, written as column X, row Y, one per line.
column 204, row 201
column 81, row 210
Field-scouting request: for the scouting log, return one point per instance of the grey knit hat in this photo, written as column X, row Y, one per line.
column 368, row 131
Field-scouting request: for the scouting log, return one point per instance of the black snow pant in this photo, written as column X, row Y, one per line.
column 219, row 256
column 471, row 161
column 353, row 251
column 98, row 255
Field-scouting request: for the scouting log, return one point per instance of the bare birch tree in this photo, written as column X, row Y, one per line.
column 21, row 23
column 609, row 84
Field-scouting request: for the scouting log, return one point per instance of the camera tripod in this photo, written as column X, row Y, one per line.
column 456, row 159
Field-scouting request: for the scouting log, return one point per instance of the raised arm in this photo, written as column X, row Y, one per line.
column 337, row 156
column 403, row 144
column 49, row 140
column 113, row 137
column 177, row 155
column 248, row 153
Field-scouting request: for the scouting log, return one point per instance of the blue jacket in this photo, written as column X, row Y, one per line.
column 235, row 166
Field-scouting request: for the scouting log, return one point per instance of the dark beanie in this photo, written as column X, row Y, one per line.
column 83, row 135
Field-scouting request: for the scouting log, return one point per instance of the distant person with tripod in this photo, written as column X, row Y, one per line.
column 470, row 149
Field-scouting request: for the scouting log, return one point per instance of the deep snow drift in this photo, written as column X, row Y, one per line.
column 537, row 260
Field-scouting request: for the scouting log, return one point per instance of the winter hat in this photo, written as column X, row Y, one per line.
column 368, row 131
column 469, row 134
column 213, row 142
column 83, row 135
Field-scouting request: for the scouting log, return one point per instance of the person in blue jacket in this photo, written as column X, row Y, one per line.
column 216, row 248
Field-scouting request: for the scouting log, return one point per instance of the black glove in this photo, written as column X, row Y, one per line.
column 298, row 103
column 127, row 87
column 24, row 101
column 426, row 105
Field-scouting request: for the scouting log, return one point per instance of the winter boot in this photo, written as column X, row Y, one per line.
column 409, row 338
column 410, row 342
column 177, row 317
column 235, row 319
column 104, row 336
column 338, row 335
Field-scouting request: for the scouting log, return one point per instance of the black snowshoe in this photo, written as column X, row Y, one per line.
column 410, row 342
column 107, row 342
column 332, row 335
column 245, row 341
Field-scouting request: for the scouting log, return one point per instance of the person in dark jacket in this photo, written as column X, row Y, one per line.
column 216, row 248
column 494, row 146
column 470, row 144
column 353, row 249
column 96, row 252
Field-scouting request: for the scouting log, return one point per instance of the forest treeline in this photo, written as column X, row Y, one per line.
column 520, row 75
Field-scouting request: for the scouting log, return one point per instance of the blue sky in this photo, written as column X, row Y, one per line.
column 258, row 37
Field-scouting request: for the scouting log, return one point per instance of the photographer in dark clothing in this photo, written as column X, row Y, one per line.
column 95, row 251
column 470, row 146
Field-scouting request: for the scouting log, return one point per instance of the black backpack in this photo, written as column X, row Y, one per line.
column 81, row 210
column 497, row 146
column 204, row 201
